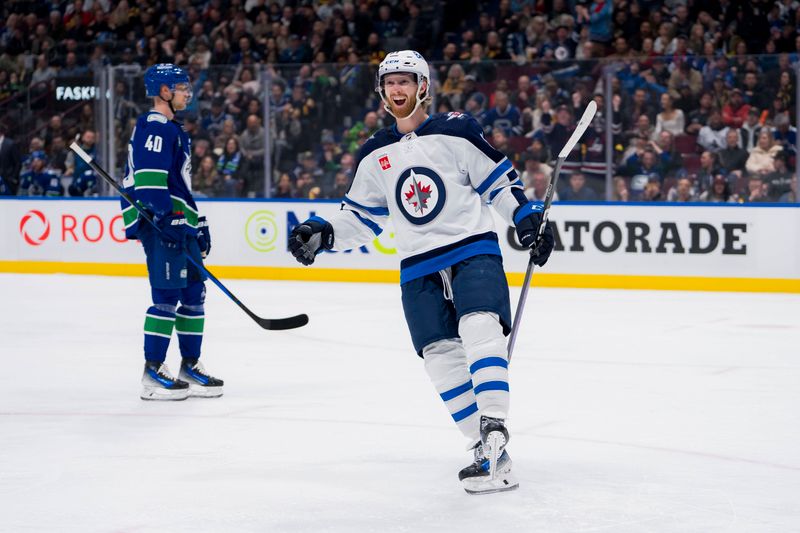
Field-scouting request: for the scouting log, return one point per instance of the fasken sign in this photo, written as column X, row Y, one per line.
column 35, row 228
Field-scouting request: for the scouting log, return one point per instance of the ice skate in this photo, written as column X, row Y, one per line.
column 491, row 471
column 477, row 479
column 201, row 384
column 159, row 384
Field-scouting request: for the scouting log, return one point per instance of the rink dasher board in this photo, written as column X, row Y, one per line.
column 725, row 247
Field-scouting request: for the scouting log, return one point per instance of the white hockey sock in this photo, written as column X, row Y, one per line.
column 446, row 364
column 487, row 356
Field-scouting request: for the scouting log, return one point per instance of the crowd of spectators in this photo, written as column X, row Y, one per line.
column 702, row 104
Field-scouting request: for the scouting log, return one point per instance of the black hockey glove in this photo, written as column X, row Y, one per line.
column 310, row 238
column 203, row 237
column 174, row 230
column 528, row 218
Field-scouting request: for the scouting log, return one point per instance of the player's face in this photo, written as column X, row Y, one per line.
column 401, row 93
column 181, row 96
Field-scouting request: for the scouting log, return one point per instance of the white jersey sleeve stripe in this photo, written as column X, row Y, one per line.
column 376, row 211
column 376, row 229
column 501, row 169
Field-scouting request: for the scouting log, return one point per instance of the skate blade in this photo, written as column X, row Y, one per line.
column 502, row 483
column 495, row 442
column 169, row 396
column 199, row 391
column 162, row 394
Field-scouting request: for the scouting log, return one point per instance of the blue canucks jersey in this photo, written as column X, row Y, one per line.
column 158, row 174
column 44, row 183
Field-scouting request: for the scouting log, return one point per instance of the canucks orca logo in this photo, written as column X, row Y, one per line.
column 420, row 194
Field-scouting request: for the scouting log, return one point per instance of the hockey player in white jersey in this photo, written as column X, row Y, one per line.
column 436, row 177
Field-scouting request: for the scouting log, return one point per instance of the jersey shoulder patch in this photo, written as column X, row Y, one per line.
column 154, row 116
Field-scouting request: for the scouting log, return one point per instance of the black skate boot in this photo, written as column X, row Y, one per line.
column 201, row 384
column 477, row 479
column 159, row 384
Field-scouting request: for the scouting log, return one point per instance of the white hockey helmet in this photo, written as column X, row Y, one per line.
column 405, row 61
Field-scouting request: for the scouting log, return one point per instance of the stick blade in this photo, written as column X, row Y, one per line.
column 277, row 324
column 580, row 129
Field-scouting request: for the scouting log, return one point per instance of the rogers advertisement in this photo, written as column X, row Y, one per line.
column 632, row 240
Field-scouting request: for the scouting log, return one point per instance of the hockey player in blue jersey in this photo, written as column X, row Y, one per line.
column 436, row 176
column 40, row 180
column 158, row 178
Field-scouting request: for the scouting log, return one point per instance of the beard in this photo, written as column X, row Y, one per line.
column 405, row 110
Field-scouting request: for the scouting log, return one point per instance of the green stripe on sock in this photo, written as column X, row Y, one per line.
column 158, row 325
column 193, row 324
column 150, row 178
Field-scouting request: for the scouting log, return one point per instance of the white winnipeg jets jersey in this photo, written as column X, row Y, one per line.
column 436, row 183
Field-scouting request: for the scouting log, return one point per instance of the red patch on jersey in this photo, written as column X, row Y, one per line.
column 384, row 161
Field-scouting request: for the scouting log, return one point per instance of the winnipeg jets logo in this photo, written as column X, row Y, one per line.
column 420, row 194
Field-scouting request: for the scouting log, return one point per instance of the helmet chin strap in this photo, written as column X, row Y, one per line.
column 169, row 102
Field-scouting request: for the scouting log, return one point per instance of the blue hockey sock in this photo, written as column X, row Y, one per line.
column 189, row 322
column 158, row 324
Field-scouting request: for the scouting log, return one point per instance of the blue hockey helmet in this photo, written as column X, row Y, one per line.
column 163, row 74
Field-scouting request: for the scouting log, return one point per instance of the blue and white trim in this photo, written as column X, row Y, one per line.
column 421, row 265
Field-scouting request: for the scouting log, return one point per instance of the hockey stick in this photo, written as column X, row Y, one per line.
column 580, row 128
column 266, row 323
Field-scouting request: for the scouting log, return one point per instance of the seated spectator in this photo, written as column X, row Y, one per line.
column 682, row 192
column 708, row 169
column 734, row 113
column 700, row 116
column 228, row 166
column 284, row 188
column 578, row 191
column 539, row 151
column 670, row 160
column 503, row 116
column 670, row 119
column 642, row 170
column 652, row 191
column 40, row 180
column 306, row 187
column 206, row 180
column 791, row 196
column 762, row 157
column 453, row 86
column 642, row 129
column 356, row 136
column 474, row 107
column 685, row 76
column 719, row 192
column 712, row 136
column 732, row 157
column 525, row 95
column 750, row 129
column 536, row 186
column 341, row 184
column 213, row 120
column 253, row 140
column 620, row 192
column 779, row 180
column 785, row 134
column 756, row 190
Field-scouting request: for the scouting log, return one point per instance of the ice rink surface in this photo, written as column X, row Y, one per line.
column 632, row 411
